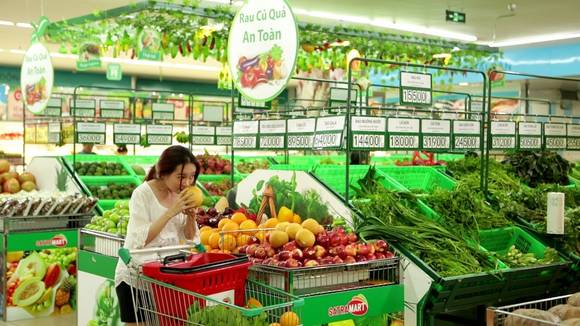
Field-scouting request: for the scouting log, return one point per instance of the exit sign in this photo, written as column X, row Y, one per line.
column 455, row 16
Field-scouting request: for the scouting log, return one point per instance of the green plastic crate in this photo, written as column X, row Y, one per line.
column 335, row 178
column 293, row 167
column 500, row 241
column 106, row 204
column 421, row 178
column 213, row 177
column 98, row 158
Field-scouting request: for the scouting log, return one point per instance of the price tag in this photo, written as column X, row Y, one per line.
column 555, row 136
column 340, row 95
column 368, row 132
column 403, row 133
column 54, row 107
column 435, row 134
column 83, row 108
column 301, row 133
column 503, row 135
column 112, row 109
column 159, row 134
column 126, row 133
column 466, row 135
column 272, row 134
column 246, row 103
column 54, row 129
column 529, row 135
column 203, row 135
column 329, row 132
column 90, row 133
column 163, row 111
column 573, row 133
column 224, row 135
column 246, row 134
column 30, row 134
column 415, row 89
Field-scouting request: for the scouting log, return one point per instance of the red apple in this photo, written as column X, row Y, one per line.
column 289, row 246
column 371, row 257
column 362, row 249
column 270, row 252
column 326, row 261
column 281, row 264
column 251, row 250
column 380, row 255
column 343, row 239
column 381, row 245
column 320, row 251
column 293, row 263
column 335, row 240
column 284, row 255
column 339, row 230
column 297, row 254
column 349, row 260
column 333, row 251
column 389, row 255
column 256, row 261
column 12, row 186
column 360, row 258
column 323, row 239
column 350, row 250
column 260, row 253
column 337, row 260
column 309, row 253
column 242, row 249
column 371, row 249
column 253, row 240
column 352, row 238
column 310, row 263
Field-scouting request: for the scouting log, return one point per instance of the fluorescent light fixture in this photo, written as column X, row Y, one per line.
column 6, row 23
column 63, row 55
column 386, row 24
column 535, row 39
column 23, row 25
column 463, row 84
column 17, row 51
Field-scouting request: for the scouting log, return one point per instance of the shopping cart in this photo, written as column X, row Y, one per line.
column 497, row 316
column 159, row 303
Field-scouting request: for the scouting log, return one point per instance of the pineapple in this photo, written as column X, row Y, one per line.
column 63, row 292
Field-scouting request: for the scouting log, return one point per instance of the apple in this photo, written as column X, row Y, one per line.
column 26, row 176
column 335, row 240
column 310, row 263
column 371, row 249
column 253, row 240
column 260, row 253
column 281, row 264
column 360, row 258
column 284, row 255
column 350, row 250
column 12, row 186
column 339, row 230
column 270, row 261
column 333, row 251
column 381, row 245
column 297, row 254
column 309, row 253
column 371, row 257
column 349, row 260
column 380, row 255
column 326, row 261
column 320, row 251
column 362, row 249
column 270, row 252
column 323, row 239
column 293, row 263
column 242, row 249
column 337, row 260
column 251, row 249
column 4, row 166
column 289, row 246
column 343, row 239
column 256, row 261
column 352, row 238
column 389, row 255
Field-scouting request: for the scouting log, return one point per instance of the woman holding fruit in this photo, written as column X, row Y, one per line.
column 157, row 216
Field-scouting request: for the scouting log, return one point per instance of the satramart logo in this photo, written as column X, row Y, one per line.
column 357, row 306
column 58, row 240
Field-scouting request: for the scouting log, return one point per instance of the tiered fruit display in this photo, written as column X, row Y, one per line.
column 246, row 167
column 211, row 217
column 231, row 232
column 214, row 164
column 12, row 182
column 218, row 188
column 113, row 191
column 100, row 168
column 113, row 221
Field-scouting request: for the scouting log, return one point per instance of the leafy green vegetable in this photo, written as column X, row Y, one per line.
column 535, row 168
column 221, row 315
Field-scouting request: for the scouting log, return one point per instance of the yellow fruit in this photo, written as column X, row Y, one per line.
column 229, row 227
column 282, row 226
column 243, row 239
column 271, row 223
column 204, row 236
column 223, row 222
column 253, row 303
column 248, row 225
column 239, row 217
column 312, row 225
column 285, row 214
column 305, row 238
column 289, row 319
column 205, row 228
column 278, row 239
column 14, row 256
column 214, row 239
column 261, row 235
column 196, row 195
column 297, row 219
column 228, row 242
column 275, row 324
column 319, row 229
column 292, row 229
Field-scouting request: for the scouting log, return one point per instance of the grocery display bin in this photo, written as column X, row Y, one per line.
column 497, row 316
column 419, row 178
column 107, row 204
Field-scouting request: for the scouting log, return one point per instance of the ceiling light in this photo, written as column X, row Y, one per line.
column 6, row 23
column 23, row 25
column 536, row 39
column 161, row 64
column 63, row 55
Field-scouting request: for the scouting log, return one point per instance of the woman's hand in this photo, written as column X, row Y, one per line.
column 183, row 202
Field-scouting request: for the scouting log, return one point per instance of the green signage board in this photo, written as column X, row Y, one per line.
column 529, row 136
column 114, row 72
column 415, row 89
column 223, row 135
column 246, row 134
column 42, row 240
column 272, row 134
column 573, row 139
column 124, row 134
column 503, row 135
column 89, row 56
column 203, row 135
column 90, row 133
column 300, row 133
column 368, row 133
column 83, row 108
column 555, row 136
column 150, row 45
column 163, row 111
column 466, row 135
column 53, row 107
column 329, row 133
column 435, row 135
column 159, row 134
column 403, row 133
column 112, row 109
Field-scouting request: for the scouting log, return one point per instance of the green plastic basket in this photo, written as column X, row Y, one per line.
column 335, row 178
column 500, row 240
column 99, row 158
column 107, row 204
column 213, row 177
column 293, row 167
column 421, row 178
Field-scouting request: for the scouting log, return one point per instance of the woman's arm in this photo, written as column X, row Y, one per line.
column 190, row 229
column 157, row 226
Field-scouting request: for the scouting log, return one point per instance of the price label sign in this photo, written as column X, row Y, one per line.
column 368, row 133
column 301, row 133
column 246, row 134
column 246, row 103
column 503, row 135
column 159, row 134
column 91, row 133
column 529, row 135
column 54, row 129
column 573, row 133
column 272, row 134
column 555, row 136
column 329, row 132
column 224, row 135
column 403, row 133
column 163, row 111
column 53, row 107
column 112, row 109
column 30, row 134
column 124, row 133
column 202, row 135
column 435, row 134
column 466, row 135
column 83, row 108
column 415, row 89
column 42, row 133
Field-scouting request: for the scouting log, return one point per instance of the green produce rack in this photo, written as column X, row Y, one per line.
column 69, row 161
column 106, row 204
column 333, row 178
column 422, row 178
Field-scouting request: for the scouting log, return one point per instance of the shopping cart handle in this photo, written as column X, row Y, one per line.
column 200, row 248
column 125, row 255
column 177, row 257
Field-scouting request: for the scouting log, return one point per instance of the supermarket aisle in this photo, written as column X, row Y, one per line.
column 67, row 320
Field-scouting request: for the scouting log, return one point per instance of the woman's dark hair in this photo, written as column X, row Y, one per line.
column 170, row 159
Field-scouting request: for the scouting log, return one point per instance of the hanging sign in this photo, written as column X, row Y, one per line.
column 301, row 133
column 466, row 135
column 272, row 134
column 262, row 48
column 124, row 134
column 529, row 135
column 112, row 109
column 246, row 134
column 223, row 135
column 403, row 133
column 573, row 133
column 89, row 56
column 163, row 111
column 555, row 136
column 42, row 133
column 202, row 135
column 36, row 78
column 435, row 134
column 83, row 108
column 503, row 135
column 54, row 129
column 329, row 132
column 114, row 72
column 246, row 103
column 159, row 134
column 368, row 133
column 149, row 45
column 54, row 107
column 90, row 133
column 415, row 89
column 339, row 96
column 213, row 112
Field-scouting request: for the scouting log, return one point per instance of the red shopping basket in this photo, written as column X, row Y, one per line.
column 205, row 273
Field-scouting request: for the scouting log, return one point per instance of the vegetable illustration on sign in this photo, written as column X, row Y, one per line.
column 262, row 48
column 36, row 78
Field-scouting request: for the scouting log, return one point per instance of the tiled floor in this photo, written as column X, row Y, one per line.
column 66, row 320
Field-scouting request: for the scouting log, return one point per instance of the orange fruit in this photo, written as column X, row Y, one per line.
column 205, row 228
column 248, row 225
column 243, row 239
column 289, row 318
column 271, row 223
column 239, row 217
column 214, row 239
column 223, row 222
column 227, row 242
column 204, row 236
column 230, row 226
column 253, row 303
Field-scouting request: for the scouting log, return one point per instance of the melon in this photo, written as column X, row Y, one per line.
column 278, row 239
column 196, row 195
column 28, row 292
column 305, row 238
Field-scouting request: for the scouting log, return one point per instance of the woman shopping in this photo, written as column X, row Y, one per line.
column 157, row 216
